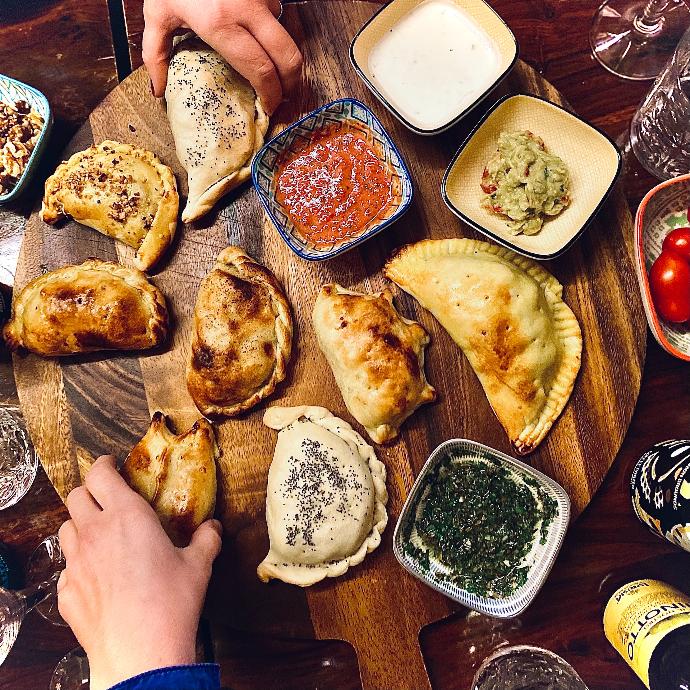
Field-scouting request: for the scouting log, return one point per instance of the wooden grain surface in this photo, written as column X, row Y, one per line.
column 566, row 617
column 80, row 407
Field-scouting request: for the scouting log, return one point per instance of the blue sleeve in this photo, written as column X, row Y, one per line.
column 195, row 677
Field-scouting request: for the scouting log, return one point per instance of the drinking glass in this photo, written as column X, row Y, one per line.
column 635, row 38
column 72, row 673
column 660, row 129
column 43, row 569
column 14, row 605
column 18, row 459
column 526, row 668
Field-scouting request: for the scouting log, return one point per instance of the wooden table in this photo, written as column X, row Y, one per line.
column 65, row 48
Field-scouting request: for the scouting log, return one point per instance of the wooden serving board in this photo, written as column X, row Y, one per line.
column 79, row 407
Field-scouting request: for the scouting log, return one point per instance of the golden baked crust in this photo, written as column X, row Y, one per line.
column 242, row 336
column 217, row 121
column 176, row 475
column 120, row 190
column 325, row 499
column 97, row 305
column 507, row 314
column 376, row 355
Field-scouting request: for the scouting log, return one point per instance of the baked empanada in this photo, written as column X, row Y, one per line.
column 242, row 336
column 97, row 305
column 217, row 121
column 120, row 190
column 326, row 497
column 508, row 316
column 376, row 355
column 176, row 475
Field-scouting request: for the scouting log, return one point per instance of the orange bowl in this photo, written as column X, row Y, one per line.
column 664, row 208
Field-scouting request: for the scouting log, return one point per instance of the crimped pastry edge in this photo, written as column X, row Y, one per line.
column 158, row 321
column 236, row 257
column 276, row 418
column 567, row 326
column 382, row 433
column 162, row 230
column 211, row 195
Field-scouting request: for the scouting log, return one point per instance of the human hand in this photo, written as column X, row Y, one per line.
column 132, row 599
column 246, row 33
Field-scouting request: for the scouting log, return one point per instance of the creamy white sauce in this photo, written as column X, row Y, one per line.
column 434, row 63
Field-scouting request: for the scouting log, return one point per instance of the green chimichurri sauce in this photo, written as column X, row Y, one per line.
column 480, row 522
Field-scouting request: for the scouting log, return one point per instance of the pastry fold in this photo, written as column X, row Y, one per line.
column 97, row 305
column 242, row 336
column 507, row 315
column 176, row 475
column 120, row 190
column 217, row 121
column 376, row 355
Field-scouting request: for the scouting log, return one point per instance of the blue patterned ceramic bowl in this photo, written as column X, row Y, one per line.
column 12, row 91
column 346, row 113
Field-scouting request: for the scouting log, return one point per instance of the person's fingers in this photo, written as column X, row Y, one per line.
column 206, row 542
column 106, row 484
column 81, row 506
column 156, row 47
column 67, row 536
column 245, row 54
column 280, row 47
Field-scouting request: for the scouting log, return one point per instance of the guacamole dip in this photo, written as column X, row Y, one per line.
column 525, row 183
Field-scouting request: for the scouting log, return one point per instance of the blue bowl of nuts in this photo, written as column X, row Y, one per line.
column 25, row 122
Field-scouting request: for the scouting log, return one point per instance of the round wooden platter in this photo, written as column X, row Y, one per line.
column 79, row 407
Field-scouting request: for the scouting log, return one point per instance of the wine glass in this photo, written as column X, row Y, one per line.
column 523, row 666
column 72, row 673
column 634, row 39
column 43, row 570
column 14, row 605
column 47, row 559
column 18, row 459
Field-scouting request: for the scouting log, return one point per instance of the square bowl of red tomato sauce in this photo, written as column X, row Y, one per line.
column 332, row 180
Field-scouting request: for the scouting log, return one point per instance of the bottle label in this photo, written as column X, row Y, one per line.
column 639, row 615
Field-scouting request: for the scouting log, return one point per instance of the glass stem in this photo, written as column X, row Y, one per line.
column 35, row 594
column 651, row 21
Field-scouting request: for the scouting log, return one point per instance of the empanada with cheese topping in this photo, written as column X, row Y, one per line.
column 217, row 121
column 507, row 314
column 121, row 190
column 326, row 497
column 176, row 475
column 376, row 355
column 242, row 336
column 97, row 305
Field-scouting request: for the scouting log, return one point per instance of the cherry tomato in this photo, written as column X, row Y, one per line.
column 678, row 242
column 669, row 281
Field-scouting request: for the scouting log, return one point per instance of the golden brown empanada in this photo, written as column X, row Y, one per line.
column 176, row 475
column 97, row 305
column 217, row 122
column 507, row 314
column 376, row 355
column 242, row 336
column 325, row 500
column 123, row 191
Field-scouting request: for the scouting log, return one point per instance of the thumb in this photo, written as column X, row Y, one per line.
column 206, row 542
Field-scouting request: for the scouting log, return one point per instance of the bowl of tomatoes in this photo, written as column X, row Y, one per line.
column 662, row 242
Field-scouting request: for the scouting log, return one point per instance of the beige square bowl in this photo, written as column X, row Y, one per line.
column 592, row 158
column 390, row 14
